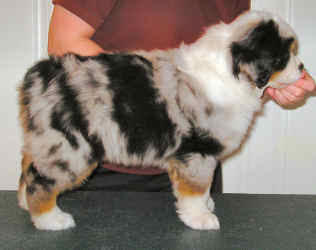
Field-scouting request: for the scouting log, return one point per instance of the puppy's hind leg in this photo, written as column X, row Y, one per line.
column 41, row 195
column 26, row 161
column 191, row 185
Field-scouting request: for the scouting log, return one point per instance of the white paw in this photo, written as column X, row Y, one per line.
column 53, row 220
column 201, row 221
column 210, row 204
column 22, row 198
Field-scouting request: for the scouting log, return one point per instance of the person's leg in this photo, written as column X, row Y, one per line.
column 107, row 180
column 217, row 185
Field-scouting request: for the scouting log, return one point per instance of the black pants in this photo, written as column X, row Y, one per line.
column 104, row 179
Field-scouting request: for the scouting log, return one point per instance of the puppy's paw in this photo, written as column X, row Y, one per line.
column 201, row 221
column 53, row 220
column 195, row 212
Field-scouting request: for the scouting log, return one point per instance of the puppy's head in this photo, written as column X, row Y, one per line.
column 267, row 55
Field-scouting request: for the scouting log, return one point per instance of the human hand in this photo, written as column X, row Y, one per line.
column 293, row 93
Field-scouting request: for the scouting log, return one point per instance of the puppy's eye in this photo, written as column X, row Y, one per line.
column 281, row 62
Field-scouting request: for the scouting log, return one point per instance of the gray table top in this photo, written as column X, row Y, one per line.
column 130, row 220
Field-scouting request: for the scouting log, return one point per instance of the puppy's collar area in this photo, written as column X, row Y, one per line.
column 262, row 90
column 271, row 84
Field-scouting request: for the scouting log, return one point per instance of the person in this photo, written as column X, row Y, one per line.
column 96, row 26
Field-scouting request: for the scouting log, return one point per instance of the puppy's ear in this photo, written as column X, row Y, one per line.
column 246, row 61
column 253, row 56
column 237, row 58
column 241, row 55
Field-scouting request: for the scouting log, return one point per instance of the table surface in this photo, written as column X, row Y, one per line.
column 134, row 220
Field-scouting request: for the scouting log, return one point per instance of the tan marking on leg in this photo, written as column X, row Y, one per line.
column 182, row 185
column 192, row 192
column 22, row 195
column 42, row 202
column 26, row 158
column 25, row 163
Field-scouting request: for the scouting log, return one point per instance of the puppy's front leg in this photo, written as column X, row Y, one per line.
column 191, row 183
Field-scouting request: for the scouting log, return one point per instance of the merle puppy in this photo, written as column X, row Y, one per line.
column 180, row 110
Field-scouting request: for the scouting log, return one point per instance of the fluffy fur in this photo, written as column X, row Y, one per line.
column 180, row 110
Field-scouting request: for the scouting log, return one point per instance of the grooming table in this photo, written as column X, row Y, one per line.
column 136, row 220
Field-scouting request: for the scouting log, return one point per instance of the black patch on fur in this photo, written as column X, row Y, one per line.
column 31, row 189
column 38, row 180
column 30, row 123
column 82, row 58
column 141, row 117
column 53, row 149
column 49, row 70
column 25, row 101
column 198, row 142
column 64, row 166
column 98, row 150
column 45, row 71
column 59, row 125
column 301, row 67
column 29, row 78
column 22, row 178
column 263, row 48
column 69, row 116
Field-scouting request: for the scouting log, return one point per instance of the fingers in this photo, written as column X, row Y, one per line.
column 306, row 83
column 294, row 93
column 285, row 97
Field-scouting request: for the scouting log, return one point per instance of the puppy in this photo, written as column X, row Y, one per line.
column 180, row 110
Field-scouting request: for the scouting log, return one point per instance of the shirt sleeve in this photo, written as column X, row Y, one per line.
column 223, row 10
column 93, row 12
column 230, row 9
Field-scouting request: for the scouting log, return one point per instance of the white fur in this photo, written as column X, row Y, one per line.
column 194, row 211
column 54, row 220
column 210, row 204
column 289, row 75
column 208, row 60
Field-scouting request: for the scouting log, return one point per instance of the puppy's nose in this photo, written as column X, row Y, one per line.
column 301, row 67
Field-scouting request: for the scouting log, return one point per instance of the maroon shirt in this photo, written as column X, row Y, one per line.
column 151, row 24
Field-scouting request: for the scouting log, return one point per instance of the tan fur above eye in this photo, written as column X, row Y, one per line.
column 294, row 47
column 274, row 76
